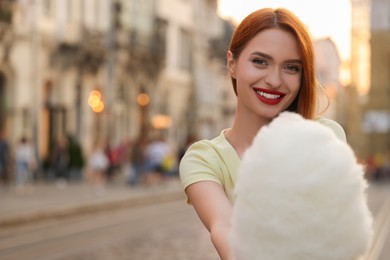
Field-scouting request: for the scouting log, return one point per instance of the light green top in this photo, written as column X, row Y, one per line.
column 216, row 160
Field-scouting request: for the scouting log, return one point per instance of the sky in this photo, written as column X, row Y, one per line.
column 330, row 18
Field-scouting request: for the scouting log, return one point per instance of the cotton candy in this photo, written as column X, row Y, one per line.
column 300, row 194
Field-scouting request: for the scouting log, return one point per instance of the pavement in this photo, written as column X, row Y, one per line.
column 47, row 200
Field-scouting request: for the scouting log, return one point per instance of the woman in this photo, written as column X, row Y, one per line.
column 98, row 164
column 25, row 164
column 271, row 64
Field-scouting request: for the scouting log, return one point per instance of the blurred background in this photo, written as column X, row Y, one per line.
column 124, row 70
column 132, row 78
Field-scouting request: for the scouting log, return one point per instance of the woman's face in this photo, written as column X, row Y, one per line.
column 268, row 73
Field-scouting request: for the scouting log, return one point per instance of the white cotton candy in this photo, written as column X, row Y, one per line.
column 300, row 194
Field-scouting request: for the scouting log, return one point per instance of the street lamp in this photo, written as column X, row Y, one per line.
column 95, row 101
column 143, row 100
column 161, row 121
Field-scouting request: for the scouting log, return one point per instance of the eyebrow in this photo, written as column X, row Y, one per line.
column 266, row 56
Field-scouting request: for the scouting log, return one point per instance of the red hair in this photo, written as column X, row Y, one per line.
column 280, row 18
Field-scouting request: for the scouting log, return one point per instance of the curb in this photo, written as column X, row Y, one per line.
column 66, row 211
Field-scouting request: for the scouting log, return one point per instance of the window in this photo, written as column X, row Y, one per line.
column 158, row 44
column 184, row 50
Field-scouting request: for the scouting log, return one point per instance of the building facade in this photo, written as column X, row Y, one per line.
column 368, row 127
column 153, row 63
column 357, row 90
column 376, row 117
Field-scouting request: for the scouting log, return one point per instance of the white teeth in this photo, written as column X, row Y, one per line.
column 267, row 95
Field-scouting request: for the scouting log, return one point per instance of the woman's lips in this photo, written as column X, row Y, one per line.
column 269, row 97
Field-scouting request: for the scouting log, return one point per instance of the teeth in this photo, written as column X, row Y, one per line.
column 267, row 95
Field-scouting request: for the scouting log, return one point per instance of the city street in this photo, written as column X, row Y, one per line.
column 168, row 230
column 161, row 231
column 379, row 203
column 102, row 105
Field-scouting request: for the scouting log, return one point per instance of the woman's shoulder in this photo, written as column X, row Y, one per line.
column 216, row 151
column 205, row 146
column 334, row 126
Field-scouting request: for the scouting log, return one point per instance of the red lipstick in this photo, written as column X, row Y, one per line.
column 269, row 97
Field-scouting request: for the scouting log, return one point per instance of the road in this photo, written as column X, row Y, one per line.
column 162, row 231
column 379, row 204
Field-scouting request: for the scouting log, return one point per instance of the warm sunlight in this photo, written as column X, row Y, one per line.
column 330, row 18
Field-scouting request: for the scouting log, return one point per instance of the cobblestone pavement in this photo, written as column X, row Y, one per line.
column 191, row 243
column 168, row 230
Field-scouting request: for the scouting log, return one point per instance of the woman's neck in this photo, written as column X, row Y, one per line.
column 243, row 131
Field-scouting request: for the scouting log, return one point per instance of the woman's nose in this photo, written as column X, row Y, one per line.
column 273, row 77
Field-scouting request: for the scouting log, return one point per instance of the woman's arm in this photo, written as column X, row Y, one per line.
column 215, row 210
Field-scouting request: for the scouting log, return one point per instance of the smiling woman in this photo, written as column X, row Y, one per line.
column 271, row 64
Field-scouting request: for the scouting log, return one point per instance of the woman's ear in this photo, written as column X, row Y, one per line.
column 231, row 64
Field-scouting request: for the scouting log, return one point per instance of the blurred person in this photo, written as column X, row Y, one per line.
column 271, row 64
column 371, row 167
column 98, row 164
column 136, row 157
column 114, row 156
column 156, row 152
column 76, row 158
column 386, row 165
column 169, row 165
column 60, row 161
column 375, row 167
column 382, row 162
column 123, row 151
column 5, row 159
column 379, row 161
column 25, row 165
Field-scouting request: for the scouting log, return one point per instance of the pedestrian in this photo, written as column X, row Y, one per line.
column 156, row 152
column 60, row 161
column 114, row 154
column 5, row 159
column 98, row 164
column 25, row 165
column 136, row 158
column 270, row 61
column 76, row 158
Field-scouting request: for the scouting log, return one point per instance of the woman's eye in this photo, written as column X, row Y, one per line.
column 293, row 68
column 259, row 61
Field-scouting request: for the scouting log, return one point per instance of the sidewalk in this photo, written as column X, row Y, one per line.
column 47, row 201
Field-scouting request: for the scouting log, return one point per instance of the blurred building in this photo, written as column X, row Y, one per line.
column 369, row 120
column 112, row 69
column 191, row 85
column 357, row 90
column 6, row 36
column 376, row 117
